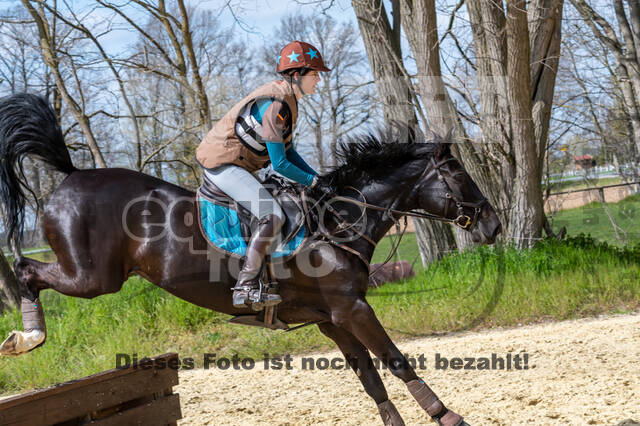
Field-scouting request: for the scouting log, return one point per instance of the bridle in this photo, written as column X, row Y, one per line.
column 462, row 220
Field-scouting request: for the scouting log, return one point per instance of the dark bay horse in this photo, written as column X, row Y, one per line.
column 107, row 224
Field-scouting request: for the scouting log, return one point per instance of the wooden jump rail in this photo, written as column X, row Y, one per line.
column 140, row 395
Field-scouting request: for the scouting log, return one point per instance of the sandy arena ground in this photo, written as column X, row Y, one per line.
column 580, row 372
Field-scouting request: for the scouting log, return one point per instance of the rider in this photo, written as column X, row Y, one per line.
column 256, row 131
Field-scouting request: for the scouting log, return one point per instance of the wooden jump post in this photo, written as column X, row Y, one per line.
column 136, row 395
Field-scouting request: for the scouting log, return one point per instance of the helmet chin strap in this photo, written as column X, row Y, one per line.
column 298, row 83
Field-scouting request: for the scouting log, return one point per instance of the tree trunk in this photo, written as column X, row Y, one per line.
column 9, row 287
column 434, row 240
column 526, row 218
column 487, row 25
column 317, row 131
column 203, row 107
column 545, row 24
column 516, row 61
column 386, row 64
column 382, row 43
column 421, row 29
column 38, row 185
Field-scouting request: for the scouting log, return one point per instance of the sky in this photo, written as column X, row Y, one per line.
column 262, row 16
column 254, row 19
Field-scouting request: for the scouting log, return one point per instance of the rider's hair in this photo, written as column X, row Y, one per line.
column 288, row 74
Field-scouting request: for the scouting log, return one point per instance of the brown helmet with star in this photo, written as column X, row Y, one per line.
column 299, row 54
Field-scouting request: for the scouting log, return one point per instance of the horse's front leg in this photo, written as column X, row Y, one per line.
column 360, row 362
column 360, row 320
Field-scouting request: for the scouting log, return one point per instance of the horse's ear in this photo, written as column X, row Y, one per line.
column 443, row 143
column 405, row 132
column 448, row 139
column 415, row 134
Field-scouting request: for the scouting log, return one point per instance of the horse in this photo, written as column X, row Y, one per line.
column 100, row 237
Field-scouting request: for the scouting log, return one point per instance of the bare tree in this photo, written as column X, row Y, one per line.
column 22, row 69
column 382, row 42
column 173, row 55
column 184, row 52
column 625, row 47
column 75, row 22
column 180, row 52
column 420, row 27
column 9, row 293
column 512, row 65
column 48, row 36
column 508, row 45
column 609, row 105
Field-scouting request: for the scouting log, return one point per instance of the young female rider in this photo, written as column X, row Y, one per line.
column 256, row 131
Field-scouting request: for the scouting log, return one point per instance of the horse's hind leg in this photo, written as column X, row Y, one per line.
column 360, row 320
column 359, row 360
column 33, row 323
column 35, row 276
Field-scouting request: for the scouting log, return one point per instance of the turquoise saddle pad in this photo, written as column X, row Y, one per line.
column 221, row 226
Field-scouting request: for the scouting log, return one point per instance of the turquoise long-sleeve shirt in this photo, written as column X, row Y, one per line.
column 287, row 163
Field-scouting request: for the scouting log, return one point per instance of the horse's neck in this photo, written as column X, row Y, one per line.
column 378, row 222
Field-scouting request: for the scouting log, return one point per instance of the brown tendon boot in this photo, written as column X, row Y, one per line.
column 429, row 402
column 246, row 289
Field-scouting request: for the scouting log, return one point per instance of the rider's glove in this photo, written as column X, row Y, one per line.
column 323, row 186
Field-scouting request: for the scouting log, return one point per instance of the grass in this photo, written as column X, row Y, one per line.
column 500, row 287
column 490, row 286
column 581, row 184
column 408, row 250
column 592, row 219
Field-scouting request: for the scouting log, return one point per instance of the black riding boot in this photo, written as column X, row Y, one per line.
column 246, row 290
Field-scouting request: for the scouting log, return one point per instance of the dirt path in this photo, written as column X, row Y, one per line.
column 580, row 372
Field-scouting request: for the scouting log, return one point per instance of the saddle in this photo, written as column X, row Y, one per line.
column 227, row 226
column 241, row 222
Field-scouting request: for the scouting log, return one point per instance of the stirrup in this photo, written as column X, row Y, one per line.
column 256, row 298
column 240, row 296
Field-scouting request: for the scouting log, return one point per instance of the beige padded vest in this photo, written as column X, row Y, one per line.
column 222, row 146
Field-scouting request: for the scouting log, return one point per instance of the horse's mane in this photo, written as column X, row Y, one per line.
column 380, row 152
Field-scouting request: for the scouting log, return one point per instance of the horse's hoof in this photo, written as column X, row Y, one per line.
column 21, row 342
column 451, row 418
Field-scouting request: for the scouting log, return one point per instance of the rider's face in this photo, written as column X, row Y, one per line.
column 309, row 82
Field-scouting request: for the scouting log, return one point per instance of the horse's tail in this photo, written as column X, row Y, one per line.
column 28, row 126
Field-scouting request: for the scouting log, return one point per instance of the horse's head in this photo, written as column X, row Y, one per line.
column 405, row 173
column 446, row 190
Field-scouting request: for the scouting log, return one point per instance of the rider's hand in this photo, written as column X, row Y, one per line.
column 323, row 186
